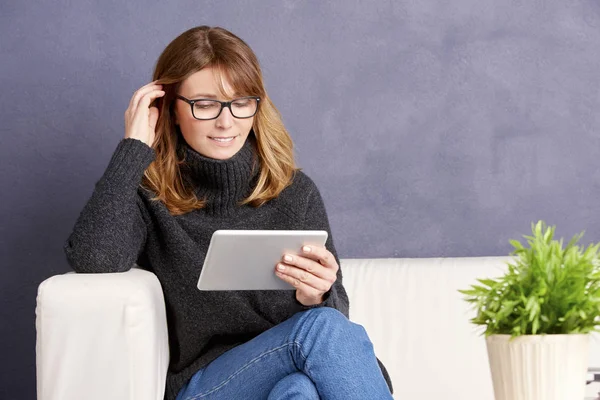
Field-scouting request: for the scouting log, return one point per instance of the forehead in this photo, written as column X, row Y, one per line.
column 207, row 81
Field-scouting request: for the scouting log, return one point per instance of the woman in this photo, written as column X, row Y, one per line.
column 205, row 149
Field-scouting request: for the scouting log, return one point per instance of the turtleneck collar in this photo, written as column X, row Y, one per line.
column 222, row 183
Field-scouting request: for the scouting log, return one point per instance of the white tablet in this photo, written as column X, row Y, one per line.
column 246, row 260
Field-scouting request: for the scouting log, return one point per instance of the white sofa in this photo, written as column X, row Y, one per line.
column 104, row 336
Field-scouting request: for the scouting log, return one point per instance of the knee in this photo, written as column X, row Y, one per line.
column 328, row 314
column 294, row 386
column 330, row 320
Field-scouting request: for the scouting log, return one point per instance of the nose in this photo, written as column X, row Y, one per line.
column 225, row 119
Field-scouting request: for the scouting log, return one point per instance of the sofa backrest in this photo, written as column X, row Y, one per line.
column 419, row 323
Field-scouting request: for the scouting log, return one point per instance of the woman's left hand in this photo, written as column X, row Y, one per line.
column 312, row 273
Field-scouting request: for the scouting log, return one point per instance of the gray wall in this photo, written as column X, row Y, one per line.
column 433, row 128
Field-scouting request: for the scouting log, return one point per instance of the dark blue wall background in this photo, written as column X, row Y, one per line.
column 432, row 128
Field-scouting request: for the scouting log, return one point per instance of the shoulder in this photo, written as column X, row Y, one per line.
column 301, row 189
column 309, row 203
column 303, row 182
column 302, row 195
column 294, row 200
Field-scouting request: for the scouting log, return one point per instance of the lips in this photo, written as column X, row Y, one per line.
column 222, row 139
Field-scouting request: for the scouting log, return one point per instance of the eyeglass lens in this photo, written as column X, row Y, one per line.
column 240, row 108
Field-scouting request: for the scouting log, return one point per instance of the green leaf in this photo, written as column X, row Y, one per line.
column 469, row 292
column 535, row 326
column 548, row 288
column 516, row 244
column 490, row 283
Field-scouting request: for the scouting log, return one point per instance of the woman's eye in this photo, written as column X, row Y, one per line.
column 204, row 105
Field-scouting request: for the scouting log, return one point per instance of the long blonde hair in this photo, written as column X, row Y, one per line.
column 230, row 56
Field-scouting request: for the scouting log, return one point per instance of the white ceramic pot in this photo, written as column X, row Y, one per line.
column 538, row 367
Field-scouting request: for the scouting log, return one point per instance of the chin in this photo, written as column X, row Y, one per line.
column 223, row 154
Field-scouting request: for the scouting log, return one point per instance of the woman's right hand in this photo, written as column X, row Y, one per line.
column 140, row 118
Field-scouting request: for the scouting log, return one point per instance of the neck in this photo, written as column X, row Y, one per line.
column 223, row 184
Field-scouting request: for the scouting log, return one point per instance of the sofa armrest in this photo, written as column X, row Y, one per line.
column 101, row 336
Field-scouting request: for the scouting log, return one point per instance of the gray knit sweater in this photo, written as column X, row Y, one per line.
column 120, row 225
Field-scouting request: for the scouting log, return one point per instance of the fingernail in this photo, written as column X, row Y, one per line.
column 288, row 258
column 306, row 249
column 280, row 267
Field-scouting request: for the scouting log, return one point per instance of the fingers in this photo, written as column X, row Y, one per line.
column 140, row 118
column 143, row 104
column 140, row 94
column 135, row 99
column 307, row 283
column 153, row 118
column 321, row 255
column 310, row 266
column 312, row 273
column 305, row 270
column 149, row 97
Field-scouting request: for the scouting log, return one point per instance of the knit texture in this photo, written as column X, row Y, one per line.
column 120, row 226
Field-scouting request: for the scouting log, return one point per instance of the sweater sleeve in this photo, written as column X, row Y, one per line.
column 316, row 219
column 110, row 231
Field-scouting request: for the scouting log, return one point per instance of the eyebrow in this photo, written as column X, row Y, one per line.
column 209, row 96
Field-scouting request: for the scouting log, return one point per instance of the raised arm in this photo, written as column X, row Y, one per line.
column 110, row 232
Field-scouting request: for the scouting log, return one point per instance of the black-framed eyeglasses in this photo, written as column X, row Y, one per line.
column 205, row 109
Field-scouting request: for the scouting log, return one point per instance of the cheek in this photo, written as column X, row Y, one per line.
column 183, row 112
column 248, row 125
column 192, row 128
column 187, row 123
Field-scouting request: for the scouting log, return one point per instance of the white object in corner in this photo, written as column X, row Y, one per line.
column 539, row 367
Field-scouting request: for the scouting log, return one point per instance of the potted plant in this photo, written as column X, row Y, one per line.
column 538, row 317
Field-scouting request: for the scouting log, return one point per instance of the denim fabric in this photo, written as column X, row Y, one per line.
column 315, row 354
column 296, row 386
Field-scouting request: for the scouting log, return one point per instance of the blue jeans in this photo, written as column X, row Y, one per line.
column 315, row 354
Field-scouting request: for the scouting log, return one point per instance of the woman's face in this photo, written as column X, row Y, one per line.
column 219, row 138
